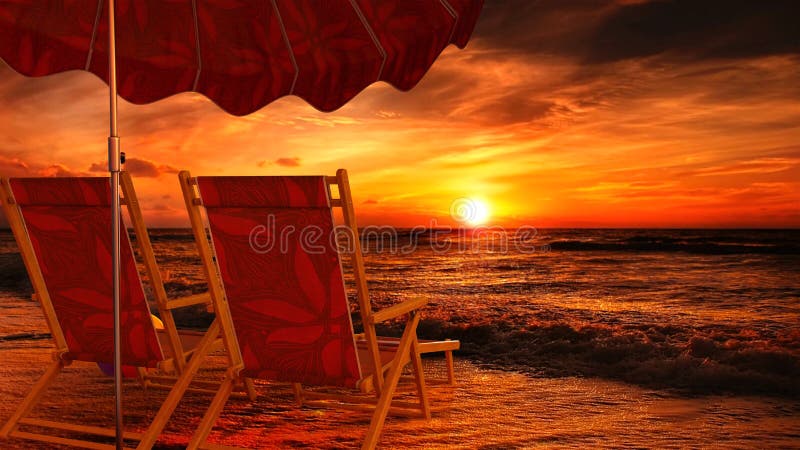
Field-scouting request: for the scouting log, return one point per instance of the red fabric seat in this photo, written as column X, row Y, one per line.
column 68, row 222
column 286, row 295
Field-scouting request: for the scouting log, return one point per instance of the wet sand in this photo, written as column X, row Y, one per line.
column 487, row 409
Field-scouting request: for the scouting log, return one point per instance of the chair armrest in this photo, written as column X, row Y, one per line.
column 196, row 299
column 399, row 309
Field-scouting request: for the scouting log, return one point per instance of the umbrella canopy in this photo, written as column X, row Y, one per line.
column 242, row 54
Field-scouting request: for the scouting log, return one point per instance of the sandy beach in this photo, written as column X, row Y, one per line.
column 487, row 409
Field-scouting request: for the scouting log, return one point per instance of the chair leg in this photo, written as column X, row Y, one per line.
column 211, row 416
column 141, row 374
column 32, row 398
column 390, row 384
column 298, row 393
column 451, row 377
column 250, row 388
column 174, row 340
column 179, row 389
column 419, row 379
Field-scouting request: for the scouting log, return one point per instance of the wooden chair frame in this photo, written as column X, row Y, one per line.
column 383, row 383
column 345, row 202
column 168, row 370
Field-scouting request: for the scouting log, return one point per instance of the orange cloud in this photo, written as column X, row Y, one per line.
column 12, row 166
column 57, row 170
column 284, row 162
column 137, row 167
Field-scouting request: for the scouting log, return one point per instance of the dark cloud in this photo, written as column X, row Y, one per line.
column 137, row 167
column 157, row 207
column 518, row 107
column 285, row 162
column 288, row 162
column 544, row 27
column 699, row 30
column 597, row 31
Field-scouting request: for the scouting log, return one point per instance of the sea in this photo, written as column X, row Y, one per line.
column 694, row 310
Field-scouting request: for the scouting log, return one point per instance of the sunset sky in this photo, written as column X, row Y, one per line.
column 579, row 113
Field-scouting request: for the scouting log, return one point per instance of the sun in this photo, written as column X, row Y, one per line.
column 481, row 213
column 470, row 211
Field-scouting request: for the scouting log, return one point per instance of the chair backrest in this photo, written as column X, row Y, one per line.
column 282, row 277
column 67, row 223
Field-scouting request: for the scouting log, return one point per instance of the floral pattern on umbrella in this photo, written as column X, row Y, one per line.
column 242, row 54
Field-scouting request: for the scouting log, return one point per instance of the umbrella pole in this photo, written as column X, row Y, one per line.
column 114, row 162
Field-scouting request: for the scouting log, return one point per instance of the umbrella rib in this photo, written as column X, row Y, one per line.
column 372, row 35
column 197, row 44
column 288, row 45
column 94, row 34
column 453, row 13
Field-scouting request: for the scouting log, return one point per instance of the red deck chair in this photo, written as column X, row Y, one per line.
column 61, row 226
column 288, row 304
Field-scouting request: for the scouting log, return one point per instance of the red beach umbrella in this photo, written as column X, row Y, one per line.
column 241, row 54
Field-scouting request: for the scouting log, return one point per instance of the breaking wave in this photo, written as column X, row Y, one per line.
column 696, row 361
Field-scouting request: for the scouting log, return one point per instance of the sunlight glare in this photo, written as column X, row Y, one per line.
column 470, row 211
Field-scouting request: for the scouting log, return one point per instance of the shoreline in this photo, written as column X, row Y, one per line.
column 486, row 408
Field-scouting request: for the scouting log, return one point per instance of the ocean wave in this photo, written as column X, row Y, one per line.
column 663, row 244
column 13, row 276
column 170, row 235
column 693, row 360
column 699, row 359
